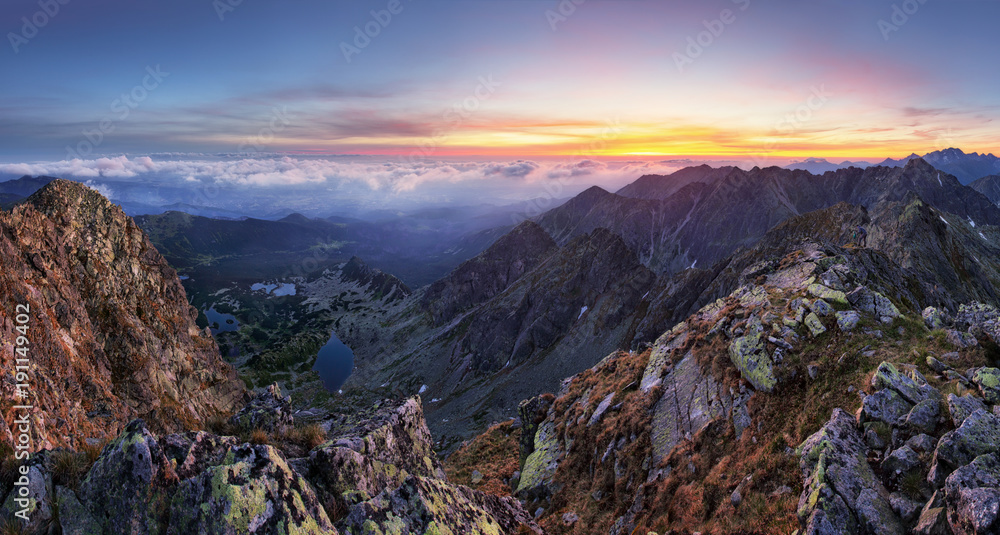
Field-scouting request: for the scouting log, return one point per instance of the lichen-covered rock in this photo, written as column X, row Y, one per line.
column 979, row 434
column 540, row 467
column 431, row 506
column 885, row 405
column 961, row 340
column 690, row 400
column 659, row 357
column 253, row 490
column 905, row 380
column 191, row 453
column 532, row 412
column 960, row 407
column 266, row 411
column 899, row 463
column 972, row 494
column 923, row 418
column 922, row 443
column 988, row 381
column 841, row 485
column 356, row 464
column 122, row 487
column 935, row 318
column 815, row 326
column 820, row 307
column 932, row 521
column 862, row 299
column 885, row 311
column 74, row 517
column 828, row 294
column 37, row 503
column 936, row 364
column 847, row 320
column 749, row 354
column 979, row 318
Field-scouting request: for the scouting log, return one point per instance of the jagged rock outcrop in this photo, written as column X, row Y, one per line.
column 380, row 284
column 489, row 273
column 375, row 475
column 930, row 480
column 111, row 334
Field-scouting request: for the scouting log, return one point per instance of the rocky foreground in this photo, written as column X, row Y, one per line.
column 375, row 473
column 714, row 428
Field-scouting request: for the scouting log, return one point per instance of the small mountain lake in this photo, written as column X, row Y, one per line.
column 334, row 363
column 220, row 322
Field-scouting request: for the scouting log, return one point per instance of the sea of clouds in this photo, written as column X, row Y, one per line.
column 376, row 182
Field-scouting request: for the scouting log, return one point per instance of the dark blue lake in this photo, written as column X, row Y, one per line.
column 334, row 363
column 219, row 322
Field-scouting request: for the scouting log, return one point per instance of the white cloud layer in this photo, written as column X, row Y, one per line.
column 386, row 175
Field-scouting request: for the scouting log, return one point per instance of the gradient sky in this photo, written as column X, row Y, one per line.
column 271, row 75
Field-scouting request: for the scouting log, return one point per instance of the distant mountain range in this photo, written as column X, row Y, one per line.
column 966, row 167
column 607, row 270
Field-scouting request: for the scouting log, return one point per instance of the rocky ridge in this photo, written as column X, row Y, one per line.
column 698, row 432
column 111, row 336
column 375, row 473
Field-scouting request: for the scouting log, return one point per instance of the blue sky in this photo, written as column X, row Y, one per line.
column 519, row 80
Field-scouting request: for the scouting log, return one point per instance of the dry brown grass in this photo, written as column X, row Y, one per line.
column 494, row 454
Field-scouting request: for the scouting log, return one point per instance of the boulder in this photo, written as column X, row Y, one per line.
column 923, row 418
column 266, row 411
column 841, row 492
column 961, row 340
column 821, row 307
column 885, row 405
column 960, row 407
column 815, row 326
column 749, row 354
column 972, row 495
column 540, row 467
column 847, row 320
column 979, row 434
column 690, row 401
column 358, row 463
column 252, row 491
column 988, row 381
column 121, row 488
column 828, row 294
column 885, row 311
column 905, row 380
column 935, row 318
column 430, row 505
column 899, row 463
column 38, row 506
